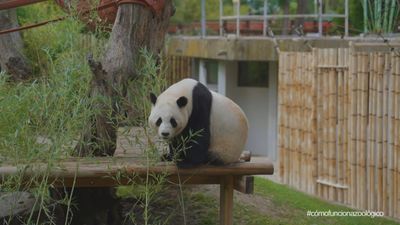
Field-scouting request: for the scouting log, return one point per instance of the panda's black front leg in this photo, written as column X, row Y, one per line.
column 196, row 152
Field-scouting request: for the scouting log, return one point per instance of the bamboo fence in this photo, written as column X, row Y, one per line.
column 177, row 68
column 339, row 126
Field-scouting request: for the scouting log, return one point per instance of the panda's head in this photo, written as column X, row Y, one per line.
column 169, row 115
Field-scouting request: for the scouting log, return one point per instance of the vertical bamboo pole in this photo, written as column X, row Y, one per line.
column 371, row 124
column 346, row 102
column 309, row 116
column 291, row 119
column 364, row 129
column 389, row 179
column 281, row 116
column 283, row 135
column 325, row 124
column 340, row 127
column 394, row 129
column 294, row 124
column 319, row 136
column 375, row 132
column 314, row 128
column 333, row 123
column 301, row 79
column 359, row 128
column 352, row 127
column 288, row 119
column 384, row 132
column 379, row 131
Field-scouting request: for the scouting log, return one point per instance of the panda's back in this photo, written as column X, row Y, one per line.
column 226, row 124
column 228, row 129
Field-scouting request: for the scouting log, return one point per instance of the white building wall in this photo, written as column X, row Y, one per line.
column 260, row 106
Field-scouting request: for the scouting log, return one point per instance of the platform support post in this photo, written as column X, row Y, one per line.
column 226, row 201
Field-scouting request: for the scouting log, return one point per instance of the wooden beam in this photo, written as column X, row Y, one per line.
column 108, row 172
column 244, row 184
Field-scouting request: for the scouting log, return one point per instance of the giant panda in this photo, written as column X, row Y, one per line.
column 217, row 126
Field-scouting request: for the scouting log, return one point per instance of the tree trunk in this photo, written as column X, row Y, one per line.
column 301, row 9
column 12, row 59
column 286, row 21
column 135, row 27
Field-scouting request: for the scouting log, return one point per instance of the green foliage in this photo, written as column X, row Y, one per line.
column 382, row 15
column 42, row 119
column 188, row 11
column 356, row 16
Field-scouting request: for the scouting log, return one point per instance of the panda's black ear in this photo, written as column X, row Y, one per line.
column 182, row 101
column 153, row 98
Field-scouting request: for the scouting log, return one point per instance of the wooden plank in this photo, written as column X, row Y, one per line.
column 226, row 201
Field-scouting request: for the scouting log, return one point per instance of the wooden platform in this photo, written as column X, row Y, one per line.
column 115, row 171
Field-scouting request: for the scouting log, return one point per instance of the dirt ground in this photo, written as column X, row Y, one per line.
column 201, row 205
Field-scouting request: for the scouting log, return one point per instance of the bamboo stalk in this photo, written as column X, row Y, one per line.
column 390, row 191
column 313, row 166
column 295, row 124
column 379, row 131
column 396, row 106
column 363, row 174
column 339, row 127
column 291, row 119
column 358, row 133
column 353, row 128
column 384, row 132
column 333, row 124
column 325, row 125
column 301, row 79
column 318, row 137
column 376, row 109
column 281, row 116
column 346, row 166
column 370, row 149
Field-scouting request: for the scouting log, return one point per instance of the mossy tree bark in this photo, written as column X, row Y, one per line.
column 135, row 27
column 12, row 59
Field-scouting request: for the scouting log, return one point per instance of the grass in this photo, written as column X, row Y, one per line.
column 271, row 203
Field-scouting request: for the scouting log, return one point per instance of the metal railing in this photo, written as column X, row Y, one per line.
column 318, row 15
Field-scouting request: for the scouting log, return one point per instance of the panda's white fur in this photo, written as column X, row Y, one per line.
column 228, row 125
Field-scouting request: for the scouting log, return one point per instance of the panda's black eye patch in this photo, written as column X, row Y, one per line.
column 159, row 121
column 173, row 122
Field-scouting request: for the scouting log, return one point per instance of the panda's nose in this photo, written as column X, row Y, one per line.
column 165, row 134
